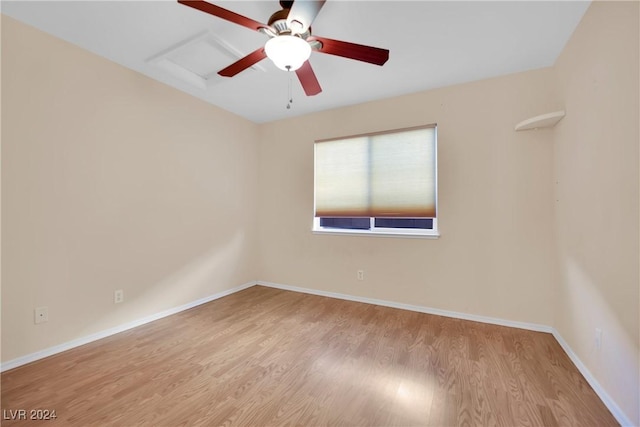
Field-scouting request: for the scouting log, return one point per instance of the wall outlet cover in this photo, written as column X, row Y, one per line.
column 41, row 315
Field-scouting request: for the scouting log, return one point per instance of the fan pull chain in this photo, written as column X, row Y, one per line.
column 289, row 95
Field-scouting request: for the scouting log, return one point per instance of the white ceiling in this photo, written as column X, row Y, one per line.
column 432, row 44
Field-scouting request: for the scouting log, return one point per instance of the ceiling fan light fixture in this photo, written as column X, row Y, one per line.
column 288, row 52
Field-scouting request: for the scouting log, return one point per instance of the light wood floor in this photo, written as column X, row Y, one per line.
column 266, row 357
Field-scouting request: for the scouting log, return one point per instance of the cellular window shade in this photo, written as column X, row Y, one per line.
column 381, row 175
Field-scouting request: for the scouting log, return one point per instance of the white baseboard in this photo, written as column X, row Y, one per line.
column 111, row 331
column 454, row 314
column 615, row 410
column 620, row 416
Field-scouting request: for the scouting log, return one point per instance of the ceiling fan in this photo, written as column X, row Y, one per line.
column 291, row 42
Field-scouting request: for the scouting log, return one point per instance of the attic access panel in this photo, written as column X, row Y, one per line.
column 197, row 60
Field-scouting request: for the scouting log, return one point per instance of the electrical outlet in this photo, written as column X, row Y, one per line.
column 40, row 315
column 118, row 296
column 598, row 338
column 360, row 274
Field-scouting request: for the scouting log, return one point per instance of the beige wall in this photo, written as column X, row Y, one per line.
column 495, row 190
column 111, row 180
column 596, row 169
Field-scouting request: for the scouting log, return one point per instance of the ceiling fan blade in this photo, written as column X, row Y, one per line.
column 302, row 14
column 308, row 79
column 225, row 14
column 372, row 55
column 244, row 63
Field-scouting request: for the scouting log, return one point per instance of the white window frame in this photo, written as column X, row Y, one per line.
column 422, row 233
column 432, row 233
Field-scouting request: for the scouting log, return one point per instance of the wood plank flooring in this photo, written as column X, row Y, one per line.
column 267, row 357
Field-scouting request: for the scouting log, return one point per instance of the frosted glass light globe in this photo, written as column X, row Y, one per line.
column 288, row 52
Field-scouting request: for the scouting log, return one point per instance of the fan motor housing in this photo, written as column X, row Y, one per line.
column 278, row 21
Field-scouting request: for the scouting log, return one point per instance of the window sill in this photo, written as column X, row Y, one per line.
column 400, row 234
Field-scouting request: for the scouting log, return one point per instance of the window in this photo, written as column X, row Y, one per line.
column 383, row 183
